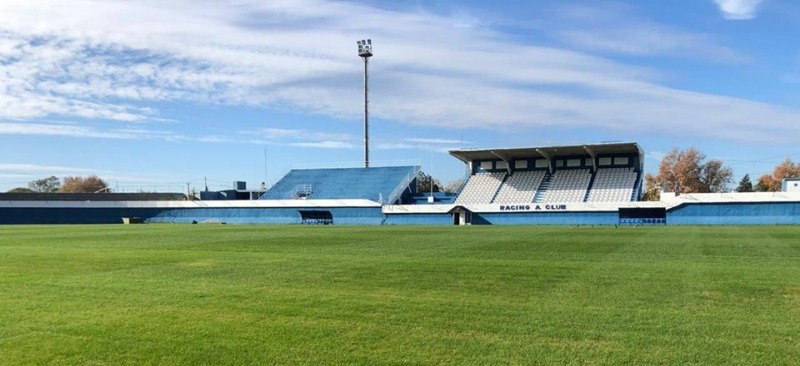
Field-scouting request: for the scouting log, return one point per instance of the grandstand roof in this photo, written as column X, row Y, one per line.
column 467, row 155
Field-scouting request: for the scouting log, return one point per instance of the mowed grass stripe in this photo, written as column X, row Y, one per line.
column 197, row 294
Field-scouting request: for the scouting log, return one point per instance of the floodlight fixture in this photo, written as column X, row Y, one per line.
column 365, row 48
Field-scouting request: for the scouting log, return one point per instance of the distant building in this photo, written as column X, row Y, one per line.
column 791, row 185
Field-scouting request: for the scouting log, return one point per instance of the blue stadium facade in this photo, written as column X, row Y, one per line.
column 561, row 185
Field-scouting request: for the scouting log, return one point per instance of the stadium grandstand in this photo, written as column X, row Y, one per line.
column 559, row 174
column 593, row 184
column 380, row 184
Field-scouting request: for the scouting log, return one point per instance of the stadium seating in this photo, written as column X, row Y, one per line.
column 480, row 188
column 376, row 184
column 613, row 185
column 520, row 187
column 568, row 185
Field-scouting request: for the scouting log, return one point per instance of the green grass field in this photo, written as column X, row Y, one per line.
column 199, row 294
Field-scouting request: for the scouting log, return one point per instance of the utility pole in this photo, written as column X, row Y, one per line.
column 365, row 52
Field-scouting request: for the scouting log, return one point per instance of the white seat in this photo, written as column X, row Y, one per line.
column 613, row 185
column 480, row 187
column 520, row 187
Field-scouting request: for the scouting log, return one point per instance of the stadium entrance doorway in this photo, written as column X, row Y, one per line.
column 461, row 215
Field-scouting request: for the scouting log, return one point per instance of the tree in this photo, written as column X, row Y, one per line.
column 424, row 182
column 454, row 186
column 45, row 185
column 686, row 171
column 21, row 190
column 652, row 191
column 745, row 185
column 90, row 184
column 715, row 177
column 772, row 182
column 765, row 183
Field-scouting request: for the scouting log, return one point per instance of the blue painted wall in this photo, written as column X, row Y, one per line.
column 341, row 215
column 546, row 218
column 422, row 198
column 766, row 213
column 73, row 215
column 239, row 215
column 419, row 219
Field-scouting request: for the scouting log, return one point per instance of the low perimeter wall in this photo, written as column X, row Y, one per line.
column 750, row 213
column 717, row 213
column 229, row 215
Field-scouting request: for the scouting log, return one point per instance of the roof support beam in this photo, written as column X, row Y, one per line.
column 549, row 159
column 594, row 157
column 505, row 158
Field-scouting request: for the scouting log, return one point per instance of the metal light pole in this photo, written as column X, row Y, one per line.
column 365, row 52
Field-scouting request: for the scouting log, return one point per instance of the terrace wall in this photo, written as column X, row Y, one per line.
column 231, row 215
column 738, row 213
column 546, row 218
column 440, row 219
column 708, row 213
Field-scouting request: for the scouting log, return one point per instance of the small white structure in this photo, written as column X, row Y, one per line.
column 790, row 185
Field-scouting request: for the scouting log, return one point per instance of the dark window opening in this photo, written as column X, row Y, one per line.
column 316, row 217
column 643, row 216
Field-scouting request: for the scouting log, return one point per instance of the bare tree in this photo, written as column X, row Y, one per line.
column 88, row 184
column 772, row 182
column 652, row 191
column 686, row 171
column 453, row 186
column 766, row 183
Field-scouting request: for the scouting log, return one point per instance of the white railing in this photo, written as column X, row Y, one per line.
column 256, row 195
column 398, row 191
column 301, row 191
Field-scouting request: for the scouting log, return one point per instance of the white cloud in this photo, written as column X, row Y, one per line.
column 435, row 141
column 323, row 144
column 302, row 138
column 386, row 144
column 280, row 133
column 619, row 29
column 649, row 39
column 738, row 9
column 116, row 60
column 75, row 130
column 27, row 169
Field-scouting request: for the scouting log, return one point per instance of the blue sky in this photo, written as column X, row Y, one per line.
column 157, row 94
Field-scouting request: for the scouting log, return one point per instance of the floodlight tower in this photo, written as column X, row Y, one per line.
column 365, row 52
